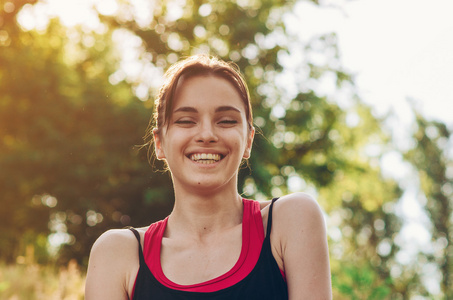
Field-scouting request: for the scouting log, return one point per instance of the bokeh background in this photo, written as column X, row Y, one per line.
column 77, row 81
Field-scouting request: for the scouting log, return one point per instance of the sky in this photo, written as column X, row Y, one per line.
column 396, row 48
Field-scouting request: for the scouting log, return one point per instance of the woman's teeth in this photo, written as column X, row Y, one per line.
column 205, row 158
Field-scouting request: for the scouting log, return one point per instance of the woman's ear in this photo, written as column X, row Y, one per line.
column 158, row 145
column 248, row 147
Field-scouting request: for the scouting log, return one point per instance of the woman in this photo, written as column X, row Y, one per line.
column 214, row 244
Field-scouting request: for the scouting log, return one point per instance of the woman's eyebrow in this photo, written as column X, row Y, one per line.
column 218, row 109
column 227, row 108
column 186, row 109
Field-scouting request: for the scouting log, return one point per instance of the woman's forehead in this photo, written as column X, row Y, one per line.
column 206, row 90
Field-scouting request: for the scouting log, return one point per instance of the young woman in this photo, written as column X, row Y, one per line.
column 214, row 244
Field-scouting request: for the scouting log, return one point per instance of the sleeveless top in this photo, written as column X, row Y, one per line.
column 262, row 280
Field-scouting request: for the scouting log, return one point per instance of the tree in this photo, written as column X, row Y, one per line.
column 67, row 158
column 71, row 158
column 432, row 159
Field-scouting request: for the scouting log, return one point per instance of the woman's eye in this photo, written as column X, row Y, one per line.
column 230, row 122
column 184, row 122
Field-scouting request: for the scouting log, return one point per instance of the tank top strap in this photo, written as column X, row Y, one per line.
column 269, row 218
column 140, row 251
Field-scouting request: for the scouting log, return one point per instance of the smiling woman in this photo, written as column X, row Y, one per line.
column 214, row 244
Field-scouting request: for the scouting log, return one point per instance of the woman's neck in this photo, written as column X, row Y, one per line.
column 204, row 214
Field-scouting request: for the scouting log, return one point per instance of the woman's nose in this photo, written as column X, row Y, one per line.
column 207, row 134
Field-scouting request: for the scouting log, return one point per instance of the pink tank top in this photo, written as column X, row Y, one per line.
column 252, row 241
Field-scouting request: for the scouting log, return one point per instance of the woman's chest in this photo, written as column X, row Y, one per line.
column 188, row 262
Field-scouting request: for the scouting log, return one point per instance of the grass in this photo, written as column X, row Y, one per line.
column 32, row 281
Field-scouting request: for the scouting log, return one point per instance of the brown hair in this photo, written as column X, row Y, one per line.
column 197, row 65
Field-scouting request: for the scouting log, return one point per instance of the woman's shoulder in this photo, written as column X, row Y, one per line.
column 299, row 243
column 114, row 235
column 119, row 240
column 292, row 213
column 293, row 205
column 113, row 264
column 297, row 211
column 115, row 240
column 114, row 248
column 297, row 203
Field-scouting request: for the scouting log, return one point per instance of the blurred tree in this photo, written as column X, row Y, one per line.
column 13, row 112
column 67, row 155
column 432, row 157
column 360, row 283
column 69, row 121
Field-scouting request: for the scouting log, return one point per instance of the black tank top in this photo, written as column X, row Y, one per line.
column 265, row 281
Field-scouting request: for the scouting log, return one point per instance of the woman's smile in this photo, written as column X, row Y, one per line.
column 205, row 158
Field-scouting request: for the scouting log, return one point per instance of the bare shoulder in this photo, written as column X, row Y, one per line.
column 300, row 247
column 297, row 207
column 114, row 243
column 297, row 217
column 114, row 238
column 112, row 265
column 293, row 209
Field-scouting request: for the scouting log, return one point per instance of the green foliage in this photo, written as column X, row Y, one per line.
column 70, row 168
column 68, row 144
column 360, row 283
column 431, row 157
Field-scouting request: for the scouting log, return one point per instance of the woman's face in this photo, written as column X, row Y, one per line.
column 207, row 136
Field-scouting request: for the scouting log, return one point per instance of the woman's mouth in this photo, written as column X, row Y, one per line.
column 205, row 158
